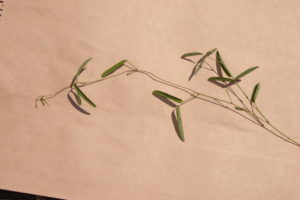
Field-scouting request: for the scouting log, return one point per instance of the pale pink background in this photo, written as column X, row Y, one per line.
column 127, row 148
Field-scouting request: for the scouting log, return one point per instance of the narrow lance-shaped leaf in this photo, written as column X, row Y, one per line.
column 245, row 72
column 255, row 92
column 78, row 99
column 211, row 51
column 82, row 95
column 179, row 123
column 166, row 95
column 113, row 68
column 222, row 64
column 239, row 108
column 202, row 59
column 191, row 54
column 80, row 70
column 200, row 63
column 220, row 79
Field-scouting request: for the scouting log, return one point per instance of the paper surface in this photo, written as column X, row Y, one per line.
column 127, row 147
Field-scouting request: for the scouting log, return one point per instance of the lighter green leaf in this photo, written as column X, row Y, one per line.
column 220, row 79
column 191, row 54
column 222, row 64
column 78, row 99
column 179, row 123
column 82, row 95
column 245, row 72
column 255, row 92
column 80, row 70
column 200, row 63
column 166, row 95
column 113, row 68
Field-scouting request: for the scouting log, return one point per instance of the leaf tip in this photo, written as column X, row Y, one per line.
column 180, row 124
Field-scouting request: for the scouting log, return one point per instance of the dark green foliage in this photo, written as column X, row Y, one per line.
column 83, row 96
column 255, row 92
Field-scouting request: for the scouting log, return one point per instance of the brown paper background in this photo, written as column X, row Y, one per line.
column 127, row 148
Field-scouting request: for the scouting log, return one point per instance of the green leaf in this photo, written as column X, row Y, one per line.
column 222, row 64
column 179, row 123
column 165, row 95
column 191, row 54
column 245, row 72
column 200, row 62
column 81, row 94
column 211, row 51
column 80, row 70
column 239, row 108
column 78, row 99
column 113, row 68
column 220, row 79
column 255, row 92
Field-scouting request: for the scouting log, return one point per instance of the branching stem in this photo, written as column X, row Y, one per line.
column 261, row 121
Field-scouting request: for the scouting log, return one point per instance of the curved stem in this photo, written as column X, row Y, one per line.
column 271, row 125
column 195, row 94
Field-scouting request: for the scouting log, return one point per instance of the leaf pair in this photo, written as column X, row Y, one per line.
column 235, row 79
column 80, row 70
column 80, row 95
column 179, row 126
column 222, row 64
column 200, row 62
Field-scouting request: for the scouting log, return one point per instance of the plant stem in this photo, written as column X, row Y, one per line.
column 195, row 94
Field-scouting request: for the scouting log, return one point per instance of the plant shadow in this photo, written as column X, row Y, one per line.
column 75, row 105
column 223, row 84
column 190, row 60
column 166, row 101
